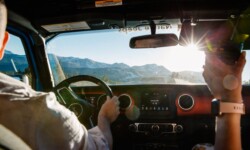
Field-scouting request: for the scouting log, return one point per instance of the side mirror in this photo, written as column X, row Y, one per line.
column 20, row 77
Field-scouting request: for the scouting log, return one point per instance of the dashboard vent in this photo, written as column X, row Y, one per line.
column 125, row 101
column 186, row 102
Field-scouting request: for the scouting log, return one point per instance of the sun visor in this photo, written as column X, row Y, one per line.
column 197, row 33
column 70, row 26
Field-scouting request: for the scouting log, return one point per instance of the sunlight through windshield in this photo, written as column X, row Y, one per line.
column 106, row 55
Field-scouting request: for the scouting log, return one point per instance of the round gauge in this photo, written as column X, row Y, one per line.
column 186, row 102
column 125, row 101
column 101, row 100
column 76, row 108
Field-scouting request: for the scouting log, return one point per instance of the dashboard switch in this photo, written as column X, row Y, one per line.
column 178, row 128
column 132, row 127
column 155, row 128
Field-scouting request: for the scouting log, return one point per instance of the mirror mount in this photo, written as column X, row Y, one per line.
column 152, row 27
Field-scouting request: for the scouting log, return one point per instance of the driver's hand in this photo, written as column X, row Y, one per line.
column 224, row 81
column 110, row 109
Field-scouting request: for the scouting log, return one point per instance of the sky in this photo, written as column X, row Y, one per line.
column 15, row 45
column 113, row 47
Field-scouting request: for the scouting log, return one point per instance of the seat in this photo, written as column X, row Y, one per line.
column 10, row 141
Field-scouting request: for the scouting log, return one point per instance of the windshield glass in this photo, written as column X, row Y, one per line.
column 106, row 55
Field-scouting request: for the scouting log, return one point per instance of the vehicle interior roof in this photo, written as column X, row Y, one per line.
column 43, row 12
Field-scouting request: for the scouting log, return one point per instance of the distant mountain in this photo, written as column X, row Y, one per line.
column 120, row 65
column 7, row 52
column 117, row 73
column 152, row 70
column 20, row 61
column 121, row 73
column 188, row 77
column 80, row 63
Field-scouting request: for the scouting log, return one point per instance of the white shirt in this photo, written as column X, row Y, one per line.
column 41, row 122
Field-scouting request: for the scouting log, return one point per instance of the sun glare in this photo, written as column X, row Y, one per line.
column 187, row 58
column 192, row 47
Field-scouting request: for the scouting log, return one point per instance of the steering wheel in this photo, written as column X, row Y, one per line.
column 83, row 109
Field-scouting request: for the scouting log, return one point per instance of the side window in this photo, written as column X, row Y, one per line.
column 14, row 62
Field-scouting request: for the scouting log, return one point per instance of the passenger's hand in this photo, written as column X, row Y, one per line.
column 110, row 109
column 224, row 81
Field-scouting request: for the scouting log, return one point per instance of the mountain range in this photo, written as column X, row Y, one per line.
column 117, row 73
column 12, row 61
column 120, row 73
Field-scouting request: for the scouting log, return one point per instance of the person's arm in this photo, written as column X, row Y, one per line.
column 228, row 135
column 108, row 114
column 224, row 82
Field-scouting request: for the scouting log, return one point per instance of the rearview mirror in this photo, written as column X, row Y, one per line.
column 153, row 41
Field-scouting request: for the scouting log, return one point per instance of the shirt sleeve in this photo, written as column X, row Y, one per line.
column 42, row 121
column 96, row 140
column 68, row 131
column 57, row 127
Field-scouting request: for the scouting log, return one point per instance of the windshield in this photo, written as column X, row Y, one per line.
column 106, row 55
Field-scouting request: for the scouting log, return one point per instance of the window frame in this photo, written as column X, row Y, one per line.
column 26, row 42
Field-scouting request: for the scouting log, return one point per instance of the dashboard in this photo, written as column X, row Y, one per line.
column 159, row 117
